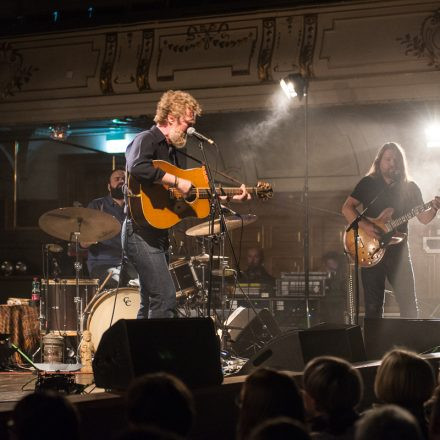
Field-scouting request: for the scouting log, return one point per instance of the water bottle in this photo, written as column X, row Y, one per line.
column 35, row 295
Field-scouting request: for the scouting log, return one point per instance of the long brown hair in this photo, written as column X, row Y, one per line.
column 403, row 165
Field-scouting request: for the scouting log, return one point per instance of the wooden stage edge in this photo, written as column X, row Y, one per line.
column 102, row 413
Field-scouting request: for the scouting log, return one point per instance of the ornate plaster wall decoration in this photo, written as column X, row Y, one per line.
column 144, row 60
column 308, row 44
column 105, row 79
column 266, row 50
column 426, row 44
column 205, row 46
column 13, row 72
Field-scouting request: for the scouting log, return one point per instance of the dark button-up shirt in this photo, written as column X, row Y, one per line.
column 108, row 251
column 148, row 146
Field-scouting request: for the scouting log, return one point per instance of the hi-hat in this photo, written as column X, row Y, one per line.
column 204, row 258
column 232, row 222
column 225, row 272
column 92, row 224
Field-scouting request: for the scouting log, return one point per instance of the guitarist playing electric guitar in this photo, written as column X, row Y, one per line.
column 383, row 244
column 146, row 246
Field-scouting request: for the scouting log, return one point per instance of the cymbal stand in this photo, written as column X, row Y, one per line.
column 77, row 299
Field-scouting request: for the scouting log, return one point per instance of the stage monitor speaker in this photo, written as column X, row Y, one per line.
column 292, row 350
column 249, row 332
column 187, row 348
column 383, row 334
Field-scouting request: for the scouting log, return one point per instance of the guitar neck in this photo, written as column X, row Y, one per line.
column 205, row 193
column 393, row 224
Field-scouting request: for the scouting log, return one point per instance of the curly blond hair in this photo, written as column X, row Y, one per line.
column 175, row 102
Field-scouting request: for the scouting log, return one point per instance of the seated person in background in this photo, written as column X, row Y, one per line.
column 256, row 272
column 332, row 390
column 388, row 422
column 107, row 255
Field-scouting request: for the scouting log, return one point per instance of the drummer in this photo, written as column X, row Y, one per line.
column 106, row 256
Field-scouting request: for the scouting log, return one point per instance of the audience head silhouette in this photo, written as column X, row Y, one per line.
column 404, row 378
column 45, row 415
column 267, row 394
column 388, row 422
column 280, row 428
column 160, row 400
column 332, row 390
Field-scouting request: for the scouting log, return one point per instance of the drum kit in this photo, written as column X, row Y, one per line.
column 68, row 307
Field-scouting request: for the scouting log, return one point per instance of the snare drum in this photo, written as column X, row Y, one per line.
column 184, row 277
column 60, row 305
column 98, row 315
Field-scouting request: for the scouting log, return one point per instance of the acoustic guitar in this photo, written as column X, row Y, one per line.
column 370, row 250
column 162, row 207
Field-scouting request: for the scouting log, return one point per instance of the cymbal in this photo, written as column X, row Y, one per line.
column 232, row 222
column 92, row 224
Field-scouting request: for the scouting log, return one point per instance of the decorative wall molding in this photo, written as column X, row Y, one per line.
column 362, row 52
column 105, row 80
column 425, row 44
column 13, row 72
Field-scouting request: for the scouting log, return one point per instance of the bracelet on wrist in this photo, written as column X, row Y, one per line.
column 176, row 181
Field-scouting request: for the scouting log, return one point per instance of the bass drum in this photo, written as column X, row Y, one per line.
column 99, row 312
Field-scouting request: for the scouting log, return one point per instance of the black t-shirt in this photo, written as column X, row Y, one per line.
column 401, row 196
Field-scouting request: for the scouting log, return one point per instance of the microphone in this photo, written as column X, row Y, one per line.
column 52, row 247
column 227, row 210
column 192, row 132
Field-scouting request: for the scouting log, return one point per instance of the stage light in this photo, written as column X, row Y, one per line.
column 294, row 85
column 432, row 133
column 59, row 132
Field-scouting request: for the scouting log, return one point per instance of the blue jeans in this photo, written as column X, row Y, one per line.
column 158, row 294
column 396, row 266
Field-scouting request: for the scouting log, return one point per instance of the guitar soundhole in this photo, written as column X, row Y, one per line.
column 179, row 207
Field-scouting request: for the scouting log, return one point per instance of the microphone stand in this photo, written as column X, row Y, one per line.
column 355, row 226
column 215, row 206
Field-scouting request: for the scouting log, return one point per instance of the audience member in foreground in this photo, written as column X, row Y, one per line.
column 280, row 428
column 45, row 415
column 388, row 422
column 267, row 394
column 160, row 400
column 406, row 379
column 143, row 433
column 332, row 390
column 434, row 419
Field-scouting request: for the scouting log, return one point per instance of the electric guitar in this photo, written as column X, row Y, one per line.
column 162, row 207
column 370, row 250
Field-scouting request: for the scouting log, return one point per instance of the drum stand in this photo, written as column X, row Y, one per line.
column 77, row 299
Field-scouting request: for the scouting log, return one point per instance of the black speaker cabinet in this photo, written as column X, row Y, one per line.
column 249, row 332
column 292, row 350
column 187, row 348
column 382, row 334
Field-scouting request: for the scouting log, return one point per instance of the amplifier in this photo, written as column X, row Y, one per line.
column 253, row 290
column 292, row 284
